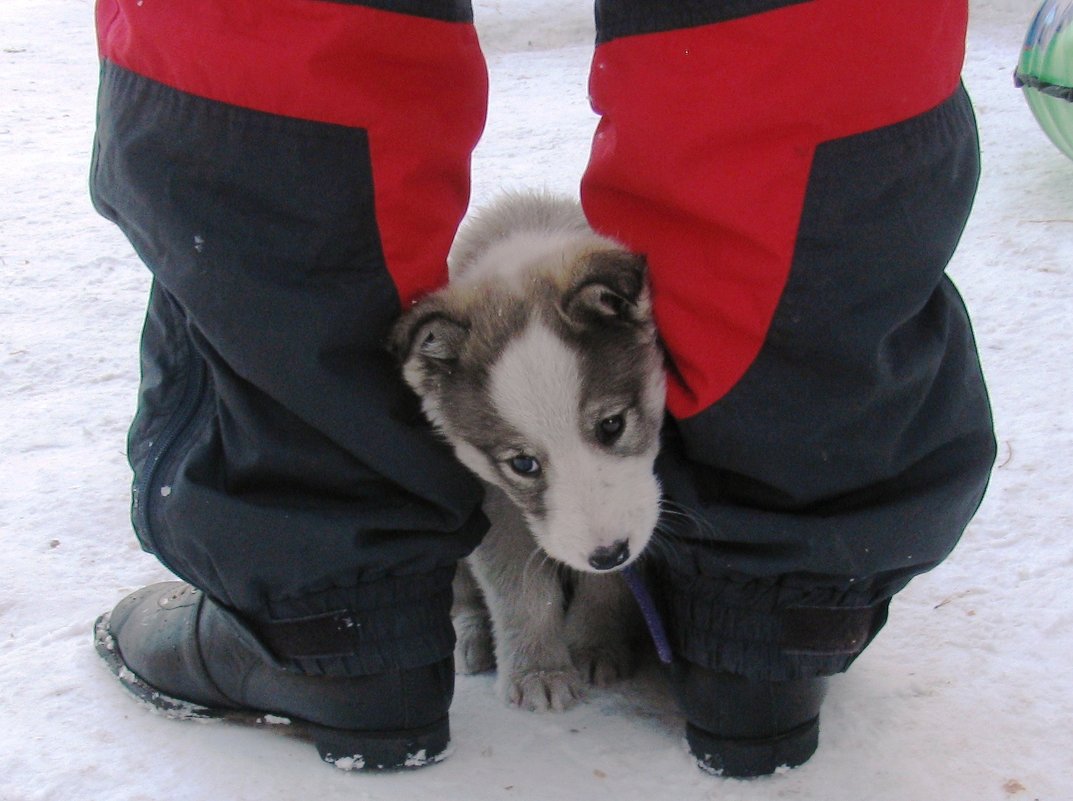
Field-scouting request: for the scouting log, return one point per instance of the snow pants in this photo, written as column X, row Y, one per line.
column 797, row 174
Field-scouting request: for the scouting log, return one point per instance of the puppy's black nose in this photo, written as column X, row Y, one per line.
column 610, row 557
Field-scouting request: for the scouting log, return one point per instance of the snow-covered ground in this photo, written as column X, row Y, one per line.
column 966, row 696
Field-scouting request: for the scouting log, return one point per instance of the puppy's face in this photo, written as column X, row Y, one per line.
column 552, row 389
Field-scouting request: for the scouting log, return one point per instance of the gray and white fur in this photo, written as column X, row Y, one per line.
column 539, row 364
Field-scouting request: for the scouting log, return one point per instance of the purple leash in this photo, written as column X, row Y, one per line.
column 650, row 613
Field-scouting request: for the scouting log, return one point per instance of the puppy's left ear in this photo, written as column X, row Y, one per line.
column 427, row 330
column 611, row 287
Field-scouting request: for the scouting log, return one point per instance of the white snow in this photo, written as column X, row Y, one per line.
column 966, row 696
column 276, row 720
column 349, row 763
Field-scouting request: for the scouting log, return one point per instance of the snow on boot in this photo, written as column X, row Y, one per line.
column 184, row 655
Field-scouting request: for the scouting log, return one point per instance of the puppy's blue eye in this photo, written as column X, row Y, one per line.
column 525, row 465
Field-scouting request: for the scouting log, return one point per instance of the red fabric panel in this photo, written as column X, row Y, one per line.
column 703, row 153
column 418, row 86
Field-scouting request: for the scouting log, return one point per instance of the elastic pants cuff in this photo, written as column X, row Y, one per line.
column 766, row 631
column 395, row 623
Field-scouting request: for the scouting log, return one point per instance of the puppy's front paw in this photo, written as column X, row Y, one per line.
column 474, row 648
column 605, row 664
column 554, row 690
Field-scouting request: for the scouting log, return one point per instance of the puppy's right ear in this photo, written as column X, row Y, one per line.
column 428, row 332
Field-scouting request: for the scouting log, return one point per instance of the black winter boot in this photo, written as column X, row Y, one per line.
column 741, row 728
column 177, row 650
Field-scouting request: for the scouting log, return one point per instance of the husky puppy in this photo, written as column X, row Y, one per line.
column 539, row 364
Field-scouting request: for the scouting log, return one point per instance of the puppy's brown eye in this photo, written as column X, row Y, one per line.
column 610, row 429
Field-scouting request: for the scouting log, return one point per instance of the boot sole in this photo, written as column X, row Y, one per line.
column 344, row 748
column 750, row 758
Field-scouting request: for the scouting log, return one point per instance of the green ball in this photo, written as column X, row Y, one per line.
column 1045, row 71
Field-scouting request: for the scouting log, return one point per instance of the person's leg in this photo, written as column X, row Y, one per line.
column 293, row 173
column 798, row 175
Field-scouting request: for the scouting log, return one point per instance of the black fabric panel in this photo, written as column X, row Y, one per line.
column 443, row 10
column 280, row 463
column 615, row 20
column 855, row 450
